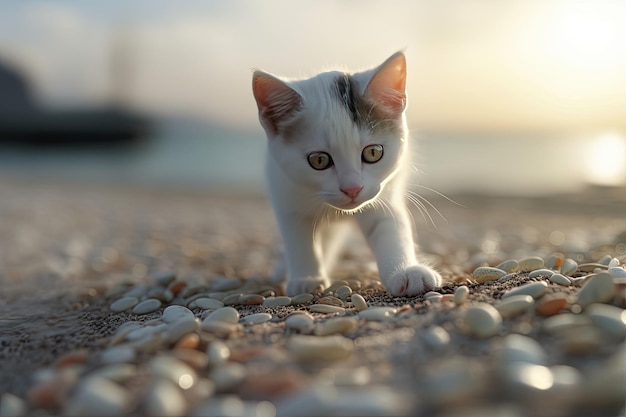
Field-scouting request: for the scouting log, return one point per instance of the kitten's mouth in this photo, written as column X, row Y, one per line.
column 351, row 206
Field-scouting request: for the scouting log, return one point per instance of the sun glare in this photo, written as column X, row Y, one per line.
column 607, row 160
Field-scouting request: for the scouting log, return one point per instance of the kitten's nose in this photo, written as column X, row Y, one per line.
column 352, row 192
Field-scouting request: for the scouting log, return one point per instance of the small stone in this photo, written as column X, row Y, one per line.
column 585, row 341
column 554, row 261
column 343, row 292
column 598, row 288
column 335, row 285
column 534, row 289
column 609, row 318
column 192, row 357
column 257, row 318
column 164, row 399
column 551, row 305
column 165, row 278
column 482, row 320
column 232, row 299
column 74, row 357
column 188, row 341
column 339, row 325
column 508, row 277
column 560, row 280
column 251, row 299
column 565, row 322
column 519, row 348
column 174, row 370
column 508, row 266
column 227, row 314
column 12, row 406
column 514, row 305
column 543, row 272
column 330, row 300
column 123, row 304
column 220, row 328
column 117, row 354
column 617, row 272
column 486, row 273
column 147, row 306
column 320, row 348
column 378, row 313
column 217, row 352
column 95, row 397
column 326, row 309
column 175, row 312
column 117, row 372
column 302, row 299
column 272, row 302
column 435, row 337
column 180, row 328
column 52, row 391
column 614, row 262
column 302, row 323
column 569, row 266
column 359, row 302
column 226, row 284
column 206, row 303
column 228, row 375
column 530, row 264
column 605, row 260
column 461, row 294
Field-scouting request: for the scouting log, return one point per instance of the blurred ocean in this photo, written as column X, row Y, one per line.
column 183, row 153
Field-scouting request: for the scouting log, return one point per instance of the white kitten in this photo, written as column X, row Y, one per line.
column 338, row 143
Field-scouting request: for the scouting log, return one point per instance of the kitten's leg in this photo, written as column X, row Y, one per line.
column 302, row 254
column 391, row 240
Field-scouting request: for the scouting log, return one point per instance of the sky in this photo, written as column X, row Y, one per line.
column 473, row 65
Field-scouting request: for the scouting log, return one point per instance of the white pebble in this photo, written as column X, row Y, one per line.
column 508, row 266
column 257, row 318
column 530, row 264
column 516, row 348
column 206, row 303
column 282, row 301
column 174, row 370
column 482, row 320
column 461, row 294
column 543, row 272
column 597, row 288
column 614, row 262
column 227, row 314
column 359, row 302
column 560, row 279
column 605, row 260
column 175, row 312
column 164, row 399
column 217, row 352
column 98, row 397
column 617, row 272
column 534, row 289
column 12, row 406
column 147, row 306
column 301, row 298
column 436, row 337
column 343, row 292
column 118, row 372
column 552, row 261
column 486, row 273
column 609, row 318
column 124, row 304
column 228, row 375
column 181, row 327
column 378, row 313
column 326, row 308
column 226, row 284
column 220, row 328
column 337, row 325
column 508, row 277
column 303, row 323
column 569, row 266
column 320, row 347
column 514, row 305
column 117, row 354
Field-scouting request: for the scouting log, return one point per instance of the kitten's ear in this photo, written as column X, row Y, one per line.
column 277, row 102
column 387, row 85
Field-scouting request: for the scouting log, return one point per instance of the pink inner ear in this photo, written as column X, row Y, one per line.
column 275, row 99
column 388, row 84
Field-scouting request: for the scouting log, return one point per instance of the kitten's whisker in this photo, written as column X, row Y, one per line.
column 442, row 195
column 421, row 198
column 422, row 209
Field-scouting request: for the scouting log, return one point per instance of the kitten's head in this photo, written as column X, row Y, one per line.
column 341, row 136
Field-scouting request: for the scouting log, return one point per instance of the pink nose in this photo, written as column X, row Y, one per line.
column 352, row 192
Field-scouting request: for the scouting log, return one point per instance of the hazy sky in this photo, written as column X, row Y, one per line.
column 473, row 64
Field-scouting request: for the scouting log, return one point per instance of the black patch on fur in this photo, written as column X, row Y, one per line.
column 348, row 97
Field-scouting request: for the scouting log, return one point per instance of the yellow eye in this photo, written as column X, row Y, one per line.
column 372, row 153
column 320, row 160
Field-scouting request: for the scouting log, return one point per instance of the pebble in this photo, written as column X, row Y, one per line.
column 174, row 370
column 228, row 375
column 302, row 323
column 520, row 348
column 74, row 357
column 565, row 322
column 227, row 314
column 147, row 306
column 508, row 266
column 482, row 320
column 614, row 262
column 301, row 299
column 217, row 352
column 118, row 354
column 343, row 292
column 554, row 261
column 175, row 312
column 461, row 294
column 180, row 328
column 164, row 399
column 330, row 300
column 486, row 273
column 543, row 272
column 165, row 278
column 52, row 391
column 435, row 337
column 97, row 396
column 597, row 288
column 617, row 272
column 117, row 372
column 326, row 308
column 514, row 305
column 257, row 318
column 12, row 406
column 123, row 304
column 560, row 280
column 325, row 348
column 530, row 264
column 508, row 277
column 534, row 289
column 232, row 299
column 226, row 284
column 220, row 328
column 282, row 301
column 251, row 299
column 359, row 302
column 378, row 313
column 610, row 319
column 551, row 305
column 339, row 325
column 569, row 266
column 433, row 296
column 206, row 303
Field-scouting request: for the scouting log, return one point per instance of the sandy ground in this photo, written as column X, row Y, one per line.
column 62, row 245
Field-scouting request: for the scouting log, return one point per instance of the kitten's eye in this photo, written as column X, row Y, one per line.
column 372, row 153
column 320, row 160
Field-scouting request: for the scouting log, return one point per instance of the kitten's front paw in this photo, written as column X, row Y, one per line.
column 306, row 285
column 413, row 280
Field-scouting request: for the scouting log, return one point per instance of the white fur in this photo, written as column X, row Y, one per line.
column 306, row 202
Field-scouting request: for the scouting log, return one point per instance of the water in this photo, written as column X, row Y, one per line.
column 183, row 153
